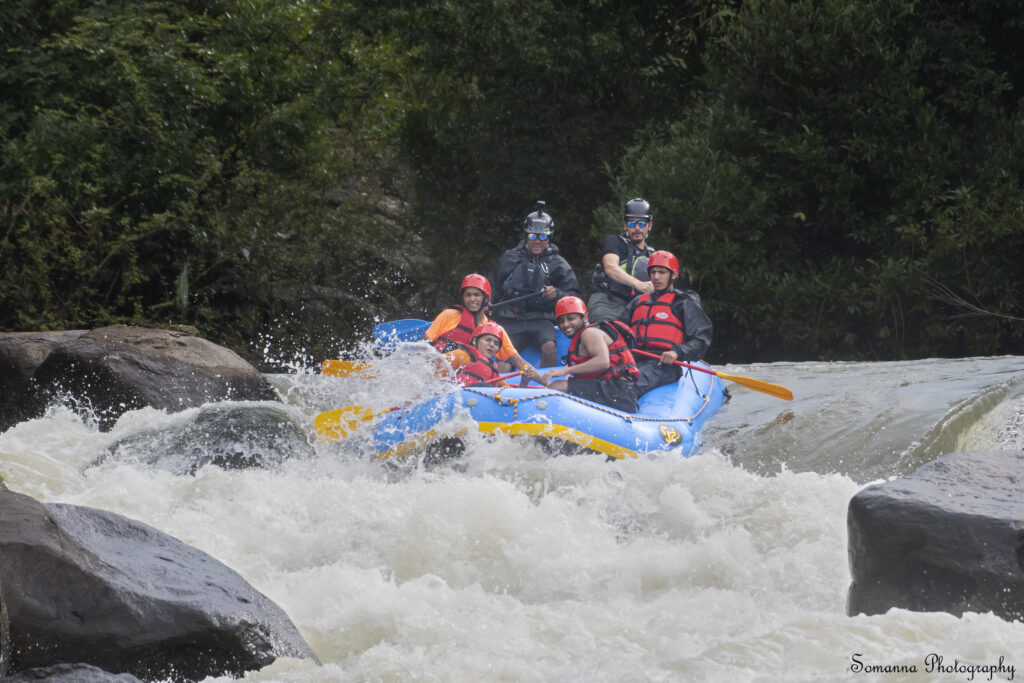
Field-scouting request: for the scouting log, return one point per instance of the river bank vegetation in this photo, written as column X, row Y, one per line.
column 841, row 178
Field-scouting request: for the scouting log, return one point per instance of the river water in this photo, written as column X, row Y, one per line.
column 510, row 565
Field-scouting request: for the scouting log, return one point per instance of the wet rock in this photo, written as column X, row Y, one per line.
column 89, row 586
column 947, row 538
column 229, row 436
column 20, row 354
column 71, row 673
column 5, row 635
column 111, row 370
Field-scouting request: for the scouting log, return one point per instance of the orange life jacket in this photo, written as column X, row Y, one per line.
column 655, row 323
column 620, row 359
column 460, row 336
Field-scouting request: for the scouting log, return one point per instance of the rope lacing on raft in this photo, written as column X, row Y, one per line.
column 514, row 401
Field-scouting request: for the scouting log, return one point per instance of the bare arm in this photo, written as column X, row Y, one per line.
column 520, row 363
column 593, row 343
column 610, row 262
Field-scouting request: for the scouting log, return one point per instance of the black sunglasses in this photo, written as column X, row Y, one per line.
column 637, row 224
column 534, row 237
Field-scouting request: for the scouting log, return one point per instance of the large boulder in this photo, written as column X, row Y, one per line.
column 21, row 353
column 88, row 586
column 947, row 538
column 112, row 370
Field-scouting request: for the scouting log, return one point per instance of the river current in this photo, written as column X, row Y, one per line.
column 510, row 565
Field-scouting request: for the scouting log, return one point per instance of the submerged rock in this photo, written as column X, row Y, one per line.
column 947, row 538
column 89, row 586
column 229, row 436
column 71, row 673
column 111, row 370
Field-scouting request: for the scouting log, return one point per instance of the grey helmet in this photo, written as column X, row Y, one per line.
column 539, row 222
column 638, row 208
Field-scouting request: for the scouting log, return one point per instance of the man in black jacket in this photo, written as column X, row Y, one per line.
column 533, row 267
column 668, row 323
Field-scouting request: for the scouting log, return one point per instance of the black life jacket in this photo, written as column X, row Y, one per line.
column 530, row 274
column 600, row 282
column 620, row 359
column 460, row 336
column 480, row 370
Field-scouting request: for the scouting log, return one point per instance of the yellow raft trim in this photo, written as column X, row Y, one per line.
column 515, row 429
column 416, row 443
column 559, row 432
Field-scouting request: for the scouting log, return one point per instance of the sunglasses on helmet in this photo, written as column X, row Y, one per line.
column 637, row 224
column 533, row 237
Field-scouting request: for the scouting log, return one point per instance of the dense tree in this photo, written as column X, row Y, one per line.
column 842, row 178
column 845, row 158
column 519, row 101
column 216, row 165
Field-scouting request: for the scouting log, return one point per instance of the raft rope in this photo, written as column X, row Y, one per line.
column 515, row 401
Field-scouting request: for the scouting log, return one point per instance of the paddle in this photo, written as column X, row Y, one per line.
column 757, row 385
column 343, row 368
column 337, row 423
column 408, row 330
column 514, row 301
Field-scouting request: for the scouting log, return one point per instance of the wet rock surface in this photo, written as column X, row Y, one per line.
column 226, row 435
column 89, row 586
column 108, row 371
column 21, row 353
column 949, row 537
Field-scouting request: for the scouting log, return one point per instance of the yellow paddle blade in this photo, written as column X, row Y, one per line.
column 344, row 368
column 336, row 424
column 776, row 390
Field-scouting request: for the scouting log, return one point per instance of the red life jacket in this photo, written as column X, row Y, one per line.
column 460, row 336
column 656, row 324
column 480, row 370
column 620, row 359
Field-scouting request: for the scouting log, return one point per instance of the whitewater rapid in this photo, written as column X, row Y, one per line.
column 509, row 565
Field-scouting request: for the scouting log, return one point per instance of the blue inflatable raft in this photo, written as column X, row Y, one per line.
column 670, row 418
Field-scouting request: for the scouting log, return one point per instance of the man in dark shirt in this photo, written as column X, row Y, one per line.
column 621, row 273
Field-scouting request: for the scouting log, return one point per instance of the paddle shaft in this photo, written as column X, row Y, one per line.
column 638, row 352
column 500, row 378
column 775, row 390
column 514, row 301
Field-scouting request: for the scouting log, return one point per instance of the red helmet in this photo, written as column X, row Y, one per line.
column 490, row 327
column 570, row 304
column 665, row 259
column 478, row 281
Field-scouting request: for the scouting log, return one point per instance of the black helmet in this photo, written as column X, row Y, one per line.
column 638, row 208
column 538, row 222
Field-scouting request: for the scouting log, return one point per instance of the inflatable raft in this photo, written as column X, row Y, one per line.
column 671, row 418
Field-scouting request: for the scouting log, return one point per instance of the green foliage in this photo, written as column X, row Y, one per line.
column 842, row 178
column 145, row 139
column 844, row 155
column 519, row 101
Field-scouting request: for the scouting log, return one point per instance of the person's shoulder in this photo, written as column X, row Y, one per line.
column 615, row 243
column 553, row 253
column 447, row 314
column 687, row 295
column 594, row 331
